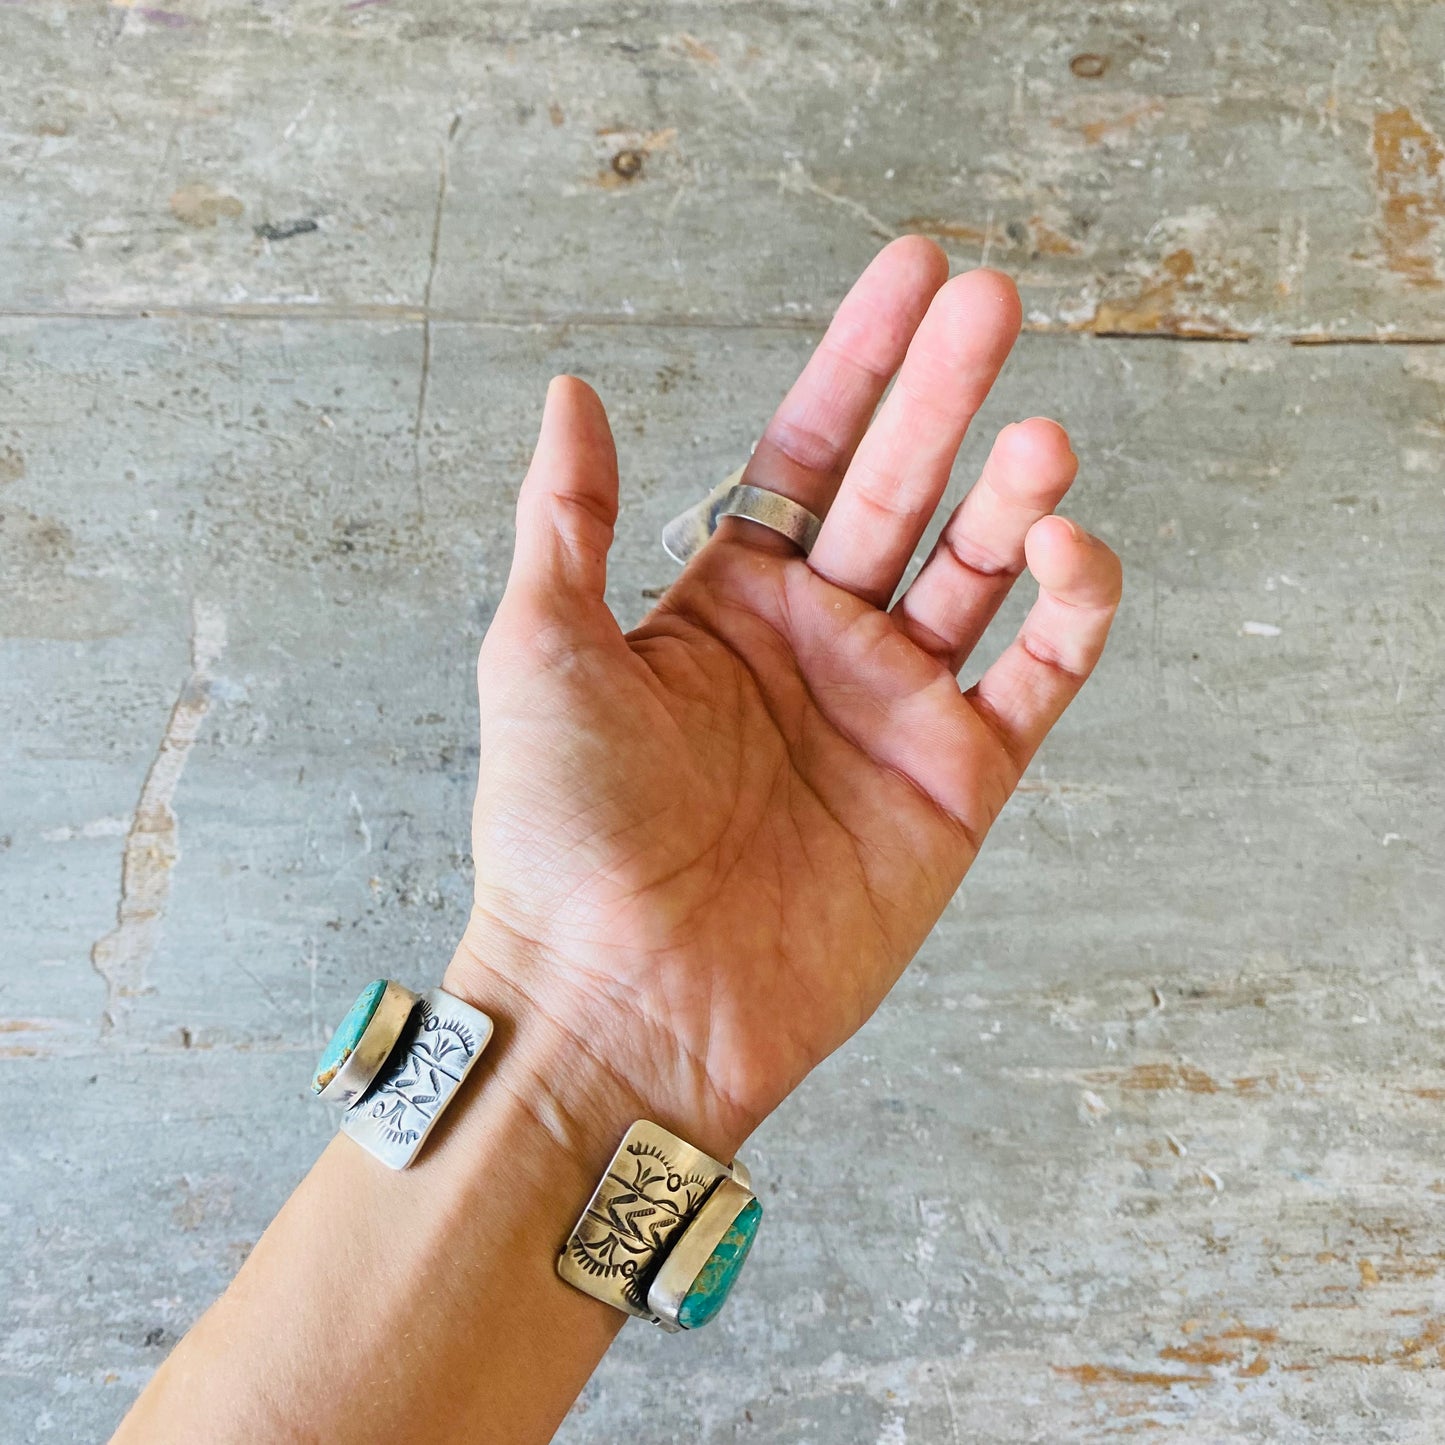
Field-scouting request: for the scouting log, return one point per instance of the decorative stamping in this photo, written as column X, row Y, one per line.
column 442, row 1040
column 653, row 1188
column 644, row 1199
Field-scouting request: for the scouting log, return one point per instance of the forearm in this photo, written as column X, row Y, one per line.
column 422, row 1304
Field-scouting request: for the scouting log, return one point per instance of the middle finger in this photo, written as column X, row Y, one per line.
column 902, row 465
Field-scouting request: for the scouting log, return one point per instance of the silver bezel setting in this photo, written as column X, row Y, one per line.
column 694, row 1247
column 354, row 1075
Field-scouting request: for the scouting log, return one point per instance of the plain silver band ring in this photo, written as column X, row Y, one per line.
column 782, row 514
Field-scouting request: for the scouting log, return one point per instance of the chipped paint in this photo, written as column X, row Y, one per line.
column 1411, row 190
column 1120, row 123
column 1120, row 1375
column 1171, row 301
column 1152, row 1078
column 200, row 205
column 152, row 844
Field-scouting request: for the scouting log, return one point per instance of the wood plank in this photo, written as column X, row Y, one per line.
column 1164, row 168
column 1159, row 1103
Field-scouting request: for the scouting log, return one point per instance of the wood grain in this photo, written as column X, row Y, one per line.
column 1158, row 169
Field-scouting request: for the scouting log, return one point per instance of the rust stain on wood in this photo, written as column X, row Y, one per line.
column 1095, row 132
column 201, row 206
column 1274, row 1081
column 628, row 152
column 1089, row 66
column 1049, row 242
column 1425, row 1348
column 1162, row 1077
column 1422, row 1351
column 953, row 230
column 1411, row 190
column 696, row 49
column 1148, row 1078
column 1243, row 1332
column 1036, row 235
column 22, row 1026
column 1116, row 1375
column 1223, row 1348
column 1208, row 1351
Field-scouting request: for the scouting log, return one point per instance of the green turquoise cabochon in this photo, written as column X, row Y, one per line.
column 714, row 1282
column 348, row 1034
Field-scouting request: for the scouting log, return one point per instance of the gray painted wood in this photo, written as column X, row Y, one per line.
column 1148, row 1139
column 1163, row 167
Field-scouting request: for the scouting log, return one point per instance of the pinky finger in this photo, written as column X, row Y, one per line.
column 1027, row 689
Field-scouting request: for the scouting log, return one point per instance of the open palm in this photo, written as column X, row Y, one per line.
column 708, row 847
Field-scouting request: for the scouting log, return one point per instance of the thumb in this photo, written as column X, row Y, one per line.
column 567, row 507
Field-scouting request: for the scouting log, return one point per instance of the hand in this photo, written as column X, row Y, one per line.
column 705, row 849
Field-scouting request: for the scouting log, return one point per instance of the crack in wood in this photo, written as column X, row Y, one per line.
column 152, row 845
column 426, row 315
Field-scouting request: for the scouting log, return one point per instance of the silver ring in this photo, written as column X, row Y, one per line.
column 687, row 532
column 785, row 516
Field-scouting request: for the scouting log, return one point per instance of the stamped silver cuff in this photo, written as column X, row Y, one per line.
column 665, row 1233
column 429, row 1051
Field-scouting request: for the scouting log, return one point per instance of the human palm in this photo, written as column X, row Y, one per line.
column 722, row 836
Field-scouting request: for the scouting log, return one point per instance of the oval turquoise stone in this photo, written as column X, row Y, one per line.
column 716, row 1278
column 348, row 1034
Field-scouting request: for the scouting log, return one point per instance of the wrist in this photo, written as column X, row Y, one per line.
column 584, row 1066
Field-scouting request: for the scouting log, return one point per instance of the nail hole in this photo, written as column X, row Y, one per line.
column 627, row 164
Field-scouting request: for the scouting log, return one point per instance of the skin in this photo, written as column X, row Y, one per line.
column 705, row 851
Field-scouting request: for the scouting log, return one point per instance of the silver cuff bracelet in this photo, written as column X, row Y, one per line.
column 665, row 1233
column 667, row 1229
column 396, row 1061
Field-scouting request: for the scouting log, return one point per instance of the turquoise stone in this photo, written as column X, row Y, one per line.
column 348, row 1035
column 715, row 1279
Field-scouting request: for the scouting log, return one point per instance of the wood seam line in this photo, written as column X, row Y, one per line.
column 413, row 315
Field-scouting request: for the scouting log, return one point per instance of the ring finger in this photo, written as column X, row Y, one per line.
column 902, row 465
column 980, row 552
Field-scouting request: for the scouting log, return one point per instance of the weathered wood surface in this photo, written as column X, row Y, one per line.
column 1156, row 168
column 1149, row 1139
